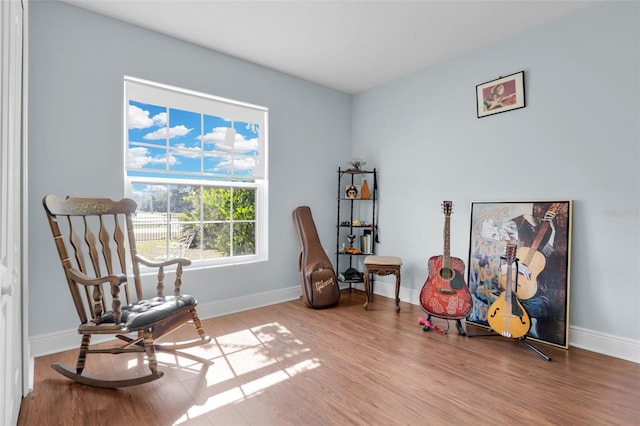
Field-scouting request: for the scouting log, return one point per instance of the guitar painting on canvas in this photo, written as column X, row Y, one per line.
column 542, row 232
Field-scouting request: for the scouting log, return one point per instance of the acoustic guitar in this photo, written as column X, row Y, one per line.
column 506, row 315
column 533, row 262
column 445, row 293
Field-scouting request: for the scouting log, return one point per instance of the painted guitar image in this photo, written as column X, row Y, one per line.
column 507, row 316
column 445, row 293
column 533, row 262
column 499, row 101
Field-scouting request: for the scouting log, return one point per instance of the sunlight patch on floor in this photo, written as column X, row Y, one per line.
column 247, row 352
column 214, row 402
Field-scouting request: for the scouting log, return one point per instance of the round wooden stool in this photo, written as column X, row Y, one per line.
column 382, row 265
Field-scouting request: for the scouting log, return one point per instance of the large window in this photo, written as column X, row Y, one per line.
column 196, row 166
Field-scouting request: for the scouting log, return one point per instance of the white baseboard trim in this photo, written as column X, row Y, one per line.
column 49, row 343
column 245, row 303
column 607, row 344
column 591, row 340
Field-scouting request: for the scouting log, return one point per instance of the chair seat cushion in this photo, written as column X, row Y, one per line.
column 145, row 312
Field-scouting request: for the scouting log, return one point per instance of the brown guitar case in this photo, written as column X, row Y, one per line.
column 317, row 277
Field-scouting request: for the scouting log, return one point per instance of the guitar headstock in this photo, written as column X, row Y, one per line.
column 447, row 207
column 510, row 253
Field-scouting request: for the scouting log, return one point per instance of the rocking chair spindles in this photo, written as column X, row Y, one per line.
column 94, row 237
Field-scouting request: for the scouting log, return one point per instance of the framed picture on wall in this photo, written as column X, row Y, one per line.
column 501, row 95
column 542, row 232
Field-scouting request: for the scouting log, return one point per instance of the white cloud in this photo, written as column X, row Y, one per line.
column 139, row 157
column 245, row 164
column 244, row 145
column 217, row 135
column 138, row 118
column 192, row 152
column 241, row 145
column 240, row 164
column 160, row 119
column 172, row 132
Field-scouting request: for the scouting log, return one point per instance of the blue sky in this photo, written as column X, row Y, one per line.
column 197, row 143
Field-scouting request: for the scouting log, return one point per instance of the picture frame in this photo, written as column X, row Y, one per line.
column 352, row 192
column 542, row 231
column 500, row 95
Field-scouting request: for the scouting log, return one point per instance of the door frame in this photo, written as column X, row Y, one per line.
column 27, row 361
column 17, row 371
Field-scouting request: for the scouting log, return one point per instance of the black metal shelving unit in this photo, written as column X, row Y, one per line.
column 356, row 217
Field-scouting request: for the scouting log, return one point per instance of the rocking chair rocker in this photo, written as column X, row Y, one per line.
column 93, row 237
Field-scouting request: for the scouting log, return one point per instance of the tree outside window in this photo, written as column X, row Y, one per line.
column 198, row 177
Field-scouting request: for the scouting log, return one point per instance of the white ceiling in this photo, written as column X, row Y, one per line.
column 346, row 45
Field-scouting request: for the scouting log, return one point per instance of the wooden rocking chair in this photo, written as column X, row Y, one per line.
column 97, row 248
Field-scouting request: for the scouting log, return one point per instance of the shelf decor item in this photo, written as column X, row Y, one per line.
column 357, row 164
column 352, row 192
column 365, row 193
column 500, row 95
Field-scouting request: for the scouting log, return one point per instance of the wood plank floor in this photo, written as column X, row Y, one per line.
column 290, row 365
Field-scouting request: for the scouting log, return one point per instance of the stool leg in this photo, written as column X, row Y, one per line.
column 398, row 291
column 366, row 288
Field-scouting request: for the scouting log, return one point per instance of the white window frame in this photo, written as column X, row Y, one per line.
column 145, row 91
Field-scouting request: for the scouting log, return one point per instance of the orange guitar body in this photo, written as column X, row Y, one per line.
column 533, row 260
column 445, row 293
column 528, row 285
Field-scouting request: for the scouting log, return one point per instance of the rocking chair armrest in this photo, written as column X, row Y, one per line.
column 175, row 261
column 83, row 279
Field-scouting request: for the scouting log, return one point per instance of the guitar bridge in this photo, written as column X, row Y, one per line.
column 446, row 291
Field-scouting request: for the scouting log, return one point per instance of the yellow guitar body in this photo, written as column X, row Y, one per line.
column 504, row 321
column 506, row 315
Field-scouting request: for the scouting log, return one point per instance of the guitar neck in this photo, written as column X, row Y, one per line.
column 543, row 230
column 510, row 258
column 447, row 245
column 507, row 289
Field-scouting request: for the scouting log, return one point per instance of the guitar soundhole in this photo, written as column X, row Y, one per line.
column 446, row 273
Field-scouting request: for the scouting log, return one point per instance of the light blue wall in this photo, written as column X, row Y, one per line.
column 578, row 138
column 77, row 63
